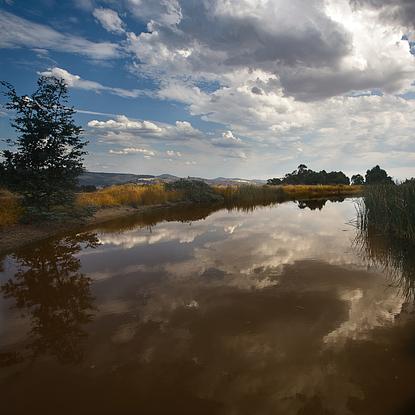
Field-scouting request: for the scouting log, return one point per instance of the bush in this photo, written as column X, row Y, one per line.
column 195, row 191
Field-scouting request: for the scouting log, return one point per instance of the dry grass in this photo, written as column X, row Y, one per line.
column 10, row 208
column 321, row 190
column 248, row 193
column 129, row 195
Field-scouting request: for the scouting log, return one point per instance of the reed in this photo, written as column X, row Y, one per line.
column 390, row 209
column 308, row 191
column 11, row 209
column 129, row 195
column 250, row 194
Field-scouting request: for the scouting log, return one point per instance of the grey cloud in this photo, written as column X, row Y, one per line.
column 296, row 34
column 257, row 91
column 311, row 85
column 399, row 11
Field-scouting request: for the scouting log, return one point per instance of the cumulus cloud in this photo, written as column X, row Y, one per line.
column 18, row 32
column 134, row 150
column 314, row 50
column 227, row 140
column 75, row 81
column 125, row 130
column 109, row 19
column 124, row 123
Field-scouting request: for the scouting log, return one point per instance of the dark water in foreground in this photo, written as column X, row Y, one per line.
column 274, row 311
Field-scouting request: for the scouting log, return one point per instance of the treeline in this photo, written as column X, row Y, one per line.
column 305, row 176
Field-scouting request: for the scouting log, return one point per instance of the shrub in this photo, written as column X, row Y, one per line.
column 195, row 191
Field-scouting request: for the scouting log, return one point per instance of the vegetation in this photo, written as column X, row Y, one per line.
column 249, row 194
column 48, row 152
column 10, row 208
column 358, row 179
column 376, row 175
column 389, row 209
column 129, row 195
column 306, row 176
column 302, row 191
column 383, row 248
column 195, row 191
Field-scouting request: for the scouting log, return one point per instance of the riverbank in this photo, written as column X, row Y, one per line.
column 127, row 200
column 18, row 235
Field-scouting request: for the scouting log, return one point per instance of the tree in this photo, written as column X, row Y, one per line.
column 358, row 179
column 274, row 182
column 48, row 151
column 376, row 175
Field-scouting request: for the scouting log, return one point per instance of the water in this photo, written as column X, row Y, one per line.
column 277, row 310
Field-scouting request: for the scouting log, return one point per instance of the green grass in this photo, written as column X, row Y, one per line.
column 390, row 209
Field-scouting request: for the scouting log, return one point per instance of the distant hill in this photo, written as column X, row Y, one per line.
column 109, row 179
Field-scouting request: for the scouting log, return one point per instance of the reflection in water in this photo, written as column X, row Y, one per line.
column 395, row 256
column 49, row 288
column 314, row 204
column 207, row 311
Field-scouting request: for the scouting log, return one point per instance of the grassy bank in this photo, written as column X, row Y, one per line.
column 310, row 191
column 131, row 195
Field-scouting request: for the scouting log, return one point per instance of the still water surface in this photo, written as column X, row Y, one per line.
column 194, row 311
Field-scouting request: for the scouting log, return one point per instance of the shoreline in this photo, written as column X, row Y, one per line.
column 19, row 235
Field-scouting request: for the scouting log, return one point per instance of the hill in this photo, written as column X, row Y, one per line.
column 109, row 179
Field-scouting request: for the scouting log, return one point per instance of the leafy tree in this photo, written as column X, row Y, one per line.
column 358, row 179
column 376, row 175
column 274, row 182
column 306, row 176
column 48, row 151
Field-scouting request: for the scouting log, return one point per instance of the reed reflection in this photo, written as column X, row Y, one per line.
column 395, row 256
column 49, row 289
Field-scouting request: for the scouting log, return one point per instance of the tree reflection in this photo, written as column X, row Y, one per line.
column 50, row 289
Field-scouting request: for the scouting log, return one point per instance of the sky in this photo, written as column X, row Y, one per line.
column 234, row 88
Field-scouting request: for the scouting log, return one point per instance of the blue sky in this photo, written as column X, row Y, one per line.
column 246, row 88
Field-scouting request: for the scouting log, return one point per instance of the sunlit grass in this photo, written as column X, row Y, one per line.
column 133, row 195
column 249, row 193
column 321, row 190
column 10, row 208
column 129, row 195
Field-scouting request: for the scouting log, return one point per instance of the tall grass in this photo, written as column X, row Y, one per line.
column 249, row 194
column 386, row 231
column 390, row 209
column 10, row 208
column 298, row 191
column 129, row 195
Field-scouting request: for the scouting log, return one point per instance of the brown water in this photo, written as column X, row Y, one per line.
column 270, row 311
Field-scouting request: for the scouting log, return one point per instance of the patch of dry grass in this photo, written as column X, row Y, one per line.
column 10, row 208
column 129, row 195
column 321, row 190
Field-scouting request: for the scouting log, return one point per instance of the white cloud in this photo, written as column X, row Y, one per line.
column 172, row 153
column 133, row 150
column 109, row 19
column 122, row 123
column 75, row 81
column 17, row 32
